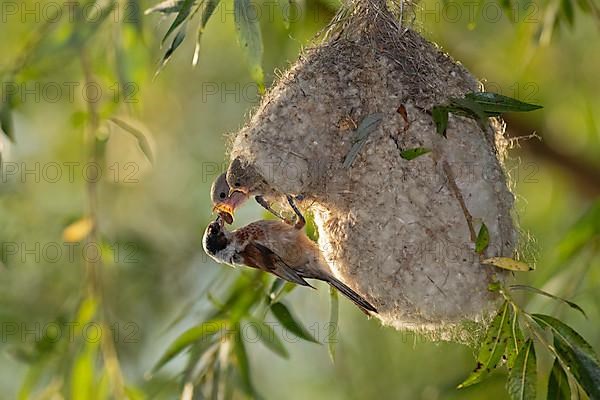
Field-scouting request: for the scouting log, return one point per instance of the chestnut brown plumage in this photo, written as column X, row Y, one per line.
column 278, row 248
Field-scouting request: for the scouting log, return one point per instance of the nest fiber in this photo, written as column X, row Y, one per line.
column 399, row 232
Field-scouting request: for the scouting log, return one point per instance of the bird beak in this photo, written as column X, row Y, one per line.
column 227, row 207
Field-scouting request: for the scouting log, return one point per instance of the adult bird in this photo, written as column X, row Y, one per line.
column 276, row 247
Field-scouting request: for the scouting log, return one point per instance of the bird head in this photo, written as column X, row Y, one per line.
column 243, row 178
column 216, row 238
column 224, row 200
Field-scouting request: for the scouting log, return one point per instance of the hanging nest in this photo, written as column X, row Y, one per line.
column 399, row 232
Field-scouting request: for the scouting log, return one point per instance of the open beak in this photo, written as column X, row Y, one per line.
column 227, row 207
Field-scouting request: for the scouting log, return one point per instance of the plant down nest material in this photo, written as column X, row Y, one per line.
column 400, row 232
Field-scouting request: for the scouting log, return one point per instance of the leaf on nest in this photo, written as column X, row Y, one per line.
column 494, row 104
column 507, row 263
column 366, row 127
column 411, row 154
column 440, row 118
column 478, row 106
column 483, row 239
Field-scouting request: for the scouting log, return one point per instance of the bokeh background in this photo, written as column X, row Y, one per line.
column 150, row 217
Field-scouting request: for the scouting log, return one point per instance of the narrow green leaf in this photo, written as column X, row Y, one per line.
column 492, row 348
column 515, row 340
column 581, row 234
column 209, row 8
column 166, row 7
column 82, row 375
column 6, row 122
column 31, row 379
column 334, row 310
column 558, row 384
column 285, row 317
column 543, row 293
column 134, row 393
column 440, row 118
column 468, row 107
column 207, row 12
column 184, row 11
column 582, row 366
column 586, row 6
column 250, row 38
column 483, row 239
column 522, row 379
column 494, row 103
column 411, row 154
column 203, row 331
column 565, row 333
column 286, row 10
column 177, row 40
column 268, row 337
column 139, row 135
column 275, row 291
column 568, row 11
column 239, row 349
column 575, row 352
column 133, row 15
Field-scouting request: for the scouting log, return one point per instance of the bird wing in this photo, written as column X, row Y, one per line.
column 258, row 256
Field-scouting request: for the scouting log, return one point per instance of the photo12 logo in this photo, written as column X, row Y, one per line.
column 67, row 171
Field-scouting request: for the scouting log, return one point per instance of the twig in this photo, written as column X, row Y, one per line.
column 459, row 197
column 94, row 267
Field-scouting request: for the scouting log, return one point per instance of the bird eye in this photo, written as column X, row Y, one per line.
column 222, row 195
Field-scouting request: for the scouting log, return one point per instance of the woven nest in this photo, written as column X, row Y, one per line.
column 398, row 232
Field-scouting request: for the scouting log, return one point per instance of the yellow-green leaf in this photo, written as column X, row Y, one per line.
column 78, row 230
column 333, row 322
column 507, row 263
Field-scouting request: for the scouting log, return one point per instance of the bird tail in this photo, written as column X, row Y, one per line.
column 364, row 305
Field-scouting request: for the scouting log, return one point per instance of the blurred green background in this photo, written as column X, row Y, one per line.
column 151, row 215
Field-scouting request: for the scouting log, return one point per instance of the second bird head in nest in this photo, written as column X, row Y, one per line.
column 232, row 188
